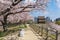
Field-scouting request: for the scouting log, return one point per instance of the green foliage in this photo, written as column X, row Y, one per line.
column 12, row 30
column 58, row 22
column 3, row 34
column 22, row 26
column 30, row 21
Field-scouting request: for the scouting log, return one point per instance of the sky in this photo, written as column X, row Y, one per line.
column 52, row 11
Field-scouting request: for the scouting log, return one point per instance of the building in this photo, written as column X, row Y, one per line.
column 41, row 19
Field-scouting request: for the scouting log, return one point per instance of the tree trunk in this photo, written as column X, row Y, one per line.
column 4, row 28
column 5, row 23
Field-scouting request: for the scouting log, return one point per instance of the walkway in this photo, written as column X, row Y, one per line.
column 29, row 35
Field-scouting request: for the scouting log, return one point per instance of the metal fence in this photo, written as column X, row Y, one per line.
column 46, row 32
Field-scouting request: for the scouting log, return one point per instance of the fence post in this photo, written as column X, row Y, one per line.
column 47, row 33
column 39, row 30
column 56, row 35
column 42, row 30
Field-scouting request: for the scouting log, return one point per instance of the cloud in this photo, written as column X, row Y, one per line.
column 57, row 0
column 58, row 3
column 45, row 12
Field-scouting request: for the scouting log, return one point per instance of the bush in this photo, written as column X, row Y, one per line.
column 22, row 26
column 58, row 22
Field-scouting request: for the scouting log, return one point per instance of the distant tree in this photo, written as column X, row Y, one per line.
column 57, row 21
column 35, row 19
column 48, row 19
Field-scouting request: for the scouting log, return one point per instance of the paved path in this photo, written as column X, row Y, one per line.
column 29, row 35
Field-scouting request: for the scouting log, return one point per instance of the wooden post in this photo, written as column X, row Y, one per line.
column 56, row 35
column 47, row 34
column 42, row 30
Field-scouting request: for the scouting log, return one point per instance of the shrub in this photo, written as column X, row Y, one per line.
column 58, row 22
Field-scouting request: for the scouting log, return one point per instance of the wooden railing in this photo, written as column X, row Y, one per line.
column 45, row 31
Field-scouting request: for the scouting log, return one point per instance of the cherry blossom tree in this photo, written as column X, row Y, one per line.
column 13, row 9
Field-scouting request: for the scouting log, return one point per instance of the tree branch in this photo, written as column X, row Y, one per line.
column 8, row 9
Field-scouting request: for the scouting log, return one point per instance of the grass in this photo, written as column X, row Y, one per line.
column 3, row 33
column 1, row 39
column 12, row 30
column 53, row 36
